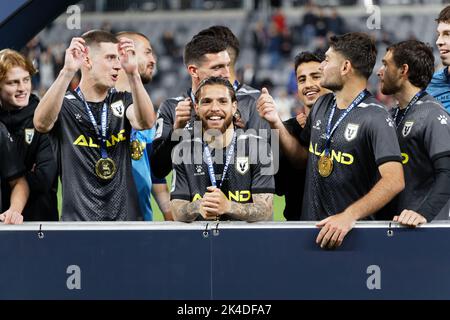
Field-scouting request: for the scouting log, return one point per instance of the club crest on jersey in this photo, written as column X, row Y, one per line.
column 407, row 128
column 29, row 134
column 351, row 131
column 118, row 108
column 242, row 165
column 317, row 125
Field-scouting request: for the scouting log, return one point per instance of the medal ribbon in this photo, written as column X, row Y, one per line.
column 330, row 130
column 209, row 163
column 101, row 134
column 416, row 97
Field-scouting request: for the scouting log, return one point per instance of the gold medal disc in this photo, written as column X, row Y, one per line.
column 136, row 150
column 105, row 168
column 325, row 166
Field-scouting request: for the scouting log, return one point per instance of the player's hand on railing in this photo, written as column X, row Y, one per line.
column 11, row 216
column 334, row 229
column 410, row 218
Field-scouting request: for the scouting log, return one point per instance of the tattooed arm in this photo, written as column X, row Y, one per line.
column 259, row 210
column 183, row 210
column 215, row 204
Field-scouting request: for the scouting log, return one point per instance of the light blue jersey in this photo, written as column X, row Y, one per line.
column 439, row 87
column 141, row 172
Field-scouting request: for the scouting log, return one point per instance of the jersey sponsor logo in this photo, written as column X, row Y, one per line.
column 199, row 170
column 338, row 156
column 84, row 141
column 442, row 119
column 407, row 128
column 29, row 134
column 242, row 165
column 317, row 125
column 236, row 196
column 390, row 122
column 351, row 131
column 118, row 108
column 405, row 158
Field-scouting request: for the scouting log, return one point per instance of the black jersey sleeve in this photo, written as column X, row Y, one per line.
column 160, row 158
column 262, row 179
column 440, row 193
column 383, row 138
column 437, row 133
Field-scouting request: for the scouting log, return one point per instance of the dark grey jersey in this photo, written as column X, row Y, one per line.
column 86, row 197
column 424, row 136
column 364, row 140
column 163, row 144
column 245, row 175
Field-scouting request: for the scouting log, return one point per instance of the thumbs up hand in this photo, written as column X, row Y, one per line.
column 267, row 109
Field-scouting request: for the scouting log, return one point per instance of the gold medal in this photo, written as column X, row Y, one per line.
column 136, row 150
column 105, row 168
column 325, row 166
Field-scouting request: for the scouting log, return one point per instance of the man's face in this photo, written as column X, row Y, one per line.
column 331, row 69
column 146, row 59
column 105, row 64
column 443, row 42
column 215, row 107
column 214, row 65
column 390, row 75
column 15, row 89
column 308, row 83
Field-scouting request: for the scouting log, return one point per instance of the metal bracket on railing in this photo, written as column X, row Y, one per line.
column 40, row 232
column 216, row 230
column 390, row 232
column 206, row 232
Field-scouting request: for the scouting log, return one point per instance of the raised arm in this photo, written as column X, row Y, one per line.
column 19, row 197
column 50, row 105
column 141, row 113
column 289, row 144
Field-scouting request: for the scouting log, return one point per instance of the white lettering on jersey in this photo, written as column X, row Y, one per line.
column 351, row 131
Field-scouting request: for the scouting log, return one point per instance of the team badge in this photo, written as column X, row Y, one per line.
column 407, row 128
column 317, row 125
column 118, row 108
column 242, row 165
column 29, row 134
column 351, row 131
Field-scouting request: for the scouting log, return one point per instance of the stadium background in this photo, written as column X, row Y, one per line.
column 271, row 33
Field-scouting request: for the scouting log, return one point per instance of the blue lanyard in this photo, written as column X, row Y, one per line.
column 101, row 135
column 192, row 95
column 330, row 130
column 236, row 85
column 416, row 97
column 209, row 163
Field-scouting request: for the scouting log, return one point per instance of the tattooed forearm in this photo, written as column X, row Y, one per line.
column 183, row 210
column 259, row 210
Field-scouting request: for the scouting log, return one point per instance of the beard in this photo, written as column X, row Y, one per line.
column 388, row 88
column 226, row 124
column 146, row 78
column 332, row 84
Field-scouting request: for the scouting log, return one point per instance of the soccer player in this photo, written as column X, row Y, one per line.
column 141, row 141
column 232, row 186
column 34, row 149
column 12, row 171
column 290, row 180
column 422, row 130
column 354, row 163
column 204, row 56
column 91, row 127
column 439, row 86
